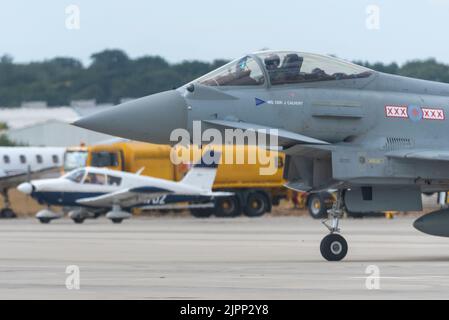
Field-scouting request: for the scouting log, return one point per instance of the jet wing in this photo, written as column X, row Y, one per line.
column 11, row 179
column 124, row 198
column 423, row 154
column 285, row 137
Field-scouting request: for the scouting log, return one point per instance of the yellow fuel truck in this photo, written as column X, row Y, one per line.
column 255, row 193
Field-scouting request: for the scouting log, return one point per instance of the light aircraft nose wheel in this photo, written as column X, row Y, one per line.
column 333, row 246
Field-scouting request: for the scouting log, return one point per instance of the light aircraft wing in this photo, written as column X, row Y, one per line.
column 420, row 154
column 285, row 137
column 125, row 198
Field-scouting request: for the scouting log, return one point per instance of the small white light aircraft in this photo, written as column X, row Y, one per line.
column 19, row 164
column 93, row 191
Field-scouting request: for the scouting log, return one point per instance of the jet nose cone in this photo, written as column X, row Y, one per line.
column 26, row 188
column 150, row 119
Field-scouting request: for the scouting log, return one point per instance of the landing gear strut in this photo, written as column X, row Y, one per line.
column 333, row 246
column 6, row 212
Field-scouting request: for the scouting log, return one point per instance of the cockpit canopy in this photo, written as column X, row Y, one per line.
column 90, row 176
column 283, row 67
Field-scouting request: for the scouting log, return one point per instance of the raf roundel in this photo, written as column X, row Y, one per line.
column 415, row 113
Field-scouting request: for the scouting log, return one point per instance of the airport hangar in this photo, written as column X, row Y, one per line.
column 36, row 124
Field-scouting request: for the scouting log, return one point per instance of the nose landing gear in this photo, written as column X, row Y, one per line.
column 333, row 246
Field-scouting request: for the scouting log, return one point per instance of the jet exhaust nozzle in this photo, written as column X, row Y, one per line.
column 435, row 223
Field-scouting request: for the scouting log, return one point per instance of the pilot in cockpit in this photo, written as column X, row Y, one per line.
column 292, row 67
column 272, row 63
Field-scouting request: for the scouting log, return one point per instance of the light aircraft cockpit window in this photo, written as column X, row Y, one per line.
column 295, row 67
column 95, row 178
column 114, row 181
column 75, row 176
column 241, row 72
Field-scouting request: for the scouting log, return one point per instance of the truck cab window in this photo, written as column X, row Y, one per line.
column 74, row 159
column 104, row 159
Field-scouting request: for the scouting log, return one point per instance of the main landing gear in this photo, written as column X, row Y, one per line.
column 6, row 212
column 333, row 246
column 117, row 215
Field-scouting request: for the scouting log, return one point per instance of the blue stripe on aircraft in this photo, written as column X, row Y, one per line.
column 149, row 190
column 69, row 198
column 63, row 198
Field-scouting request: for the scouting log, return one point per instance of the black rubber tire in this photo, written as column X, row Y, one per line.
column 256, row 205
column 44, row 220
column 228, row 207
column 78, row 220
column 7, row 213
column 334, row 247
column 202, row 213
column 317, row 207
column 117, row 220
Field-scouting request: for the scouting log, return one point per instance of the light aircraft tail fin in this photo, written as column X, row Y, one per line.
column 202, row 175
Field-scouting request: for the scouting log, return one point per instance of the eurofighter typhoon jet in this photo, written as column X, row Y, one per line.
column 379, row 139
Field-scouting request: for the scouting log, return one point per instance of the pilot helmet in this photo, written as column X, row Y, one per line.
column 272, row 61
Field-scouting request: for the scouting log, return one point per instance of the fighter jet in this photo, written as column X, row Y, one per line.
column 92, row 190
column 379, row 139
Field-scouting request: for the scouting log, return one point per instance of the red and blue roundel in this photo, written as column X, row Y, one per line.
column 414, row 113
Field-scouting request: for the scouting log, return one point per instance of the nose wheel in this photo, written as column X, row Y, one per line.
column 333, row 246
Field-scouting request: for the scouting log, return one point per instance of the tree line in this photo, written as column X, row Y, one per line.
column 113, row 75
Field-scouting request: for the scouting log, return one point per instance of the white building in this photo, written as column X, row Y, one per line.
column 23, row 117
column 49, row 126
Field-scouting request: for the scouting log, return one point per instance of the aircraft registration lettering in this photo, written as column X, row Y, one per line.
column 396, row 111
column 433, row 113
column 414, row 113
column 279, row 102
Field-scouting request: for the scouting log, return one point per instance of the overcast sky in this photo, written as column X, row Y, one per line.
column 208, row 29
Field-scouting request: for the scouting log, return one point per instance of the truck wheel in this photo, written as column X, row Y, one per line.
column 227, row 207
column 256, row 205
column 317, row 207
column 201, row 213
